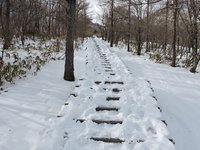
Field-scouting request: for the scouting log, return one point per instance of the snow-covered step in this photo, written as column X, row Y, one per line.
column 114, row 82
column 112, row 74
column 103, row 56
column 113, row 122
column 112, row 98
column 116, row 90
column 108, row 70
column 107, row 140
column 97, row 82
column 80, row 120
column 106, row 64
column 108, row 67
column 107, row 109
column 74, row 94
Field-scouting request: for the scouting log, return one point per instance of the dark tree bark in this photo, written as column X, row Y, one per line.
column 112, row 24
column 195, row 14
column 175, row 33
column 166, row 27
column 139, row 29
column 50, row 18
column 147, row 34
column 69, row 53
column 139, row 40
column 7, row 38
column 129, row 24
column 196, row 62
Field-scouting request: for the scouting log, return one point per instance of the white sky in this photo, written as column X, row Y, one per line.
column 95, row 10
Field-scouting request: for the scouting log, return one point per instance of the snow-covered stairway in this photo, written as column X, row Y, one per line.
column 108, row 68
column 109, row 109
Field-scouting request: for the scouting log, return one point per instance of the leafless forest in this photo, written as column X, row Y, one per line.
column 168, row 30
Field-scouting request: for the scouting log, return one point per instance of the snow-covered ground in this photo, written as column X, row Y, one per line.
column 28, row 107
column 20, row 60
column 44, row 112
column 178, row 94
column 141, row 127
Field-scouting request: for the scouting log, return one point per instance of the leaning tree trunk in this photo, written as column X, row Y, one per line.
column 69, row 53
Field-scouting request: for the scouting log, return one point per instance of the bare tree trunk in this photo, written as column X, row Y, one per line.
column 166, row 27
column 129, row 25
column 175, row 33
column 1, row 15
column 23, row 34
column 2, row 28
column 196, row 62
column 139, row 46
column 69, row 53
column 139, row 30
column 147, row 34
column 106, row 35
column 112, row 24
column 7, row 32
column 85, row 24
column 196, row 57
column 49, row 30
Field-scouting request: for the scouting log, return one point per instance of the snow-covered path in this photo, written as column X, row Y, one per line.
column 108, row 108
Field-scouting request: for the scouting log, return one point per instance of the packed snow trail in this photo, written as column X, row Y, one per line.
column 108, row 109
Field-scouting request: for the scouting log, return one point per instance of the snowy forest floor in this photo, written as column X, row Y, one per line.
column 121, row 100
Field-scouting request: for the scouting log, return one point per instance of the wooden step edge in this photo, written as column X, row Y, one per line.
column 107, row 140
column 116, row 90
column 97, row 82
column 112, row 74
column 107, row 109
column 112, row 98
column 113, row 122
column 108, row 70
column 80, row 120
column 114, row 82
